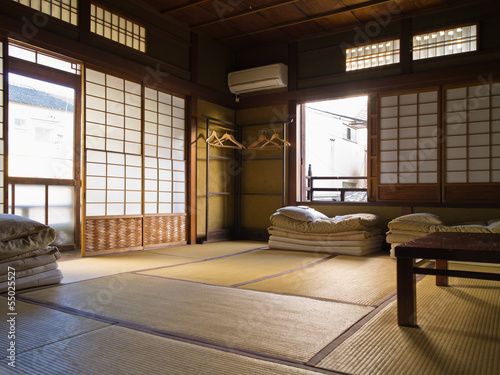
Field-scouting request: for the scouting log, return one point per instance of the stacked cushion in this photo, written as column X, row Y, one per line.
column 24, row 247
column 305, row 229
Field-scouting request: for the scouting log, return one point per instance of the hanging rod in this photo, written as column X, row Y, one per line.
column 269, row 123
column 213, row 119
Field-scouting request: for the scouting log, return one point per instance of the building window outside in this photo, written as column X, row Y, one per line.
column 372, row 55
column 119, row 29
column 445, row 42
column 64, row 10
column 335, row 134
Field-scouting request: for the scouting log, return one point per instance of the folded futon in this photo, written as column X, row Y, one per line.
column 305, row 229
column 26, row 259
column 412, row 226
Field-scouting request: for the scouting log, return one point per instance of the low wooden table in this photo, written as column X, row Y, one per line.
column 441, row 246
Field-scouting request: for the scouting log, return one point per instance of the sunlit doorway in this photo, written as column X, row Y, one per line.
column 334, row 136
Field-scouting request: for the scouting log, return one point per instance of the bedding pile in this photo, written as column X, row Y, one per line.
column 305, row 229
column 25, row 254
column 409, row 227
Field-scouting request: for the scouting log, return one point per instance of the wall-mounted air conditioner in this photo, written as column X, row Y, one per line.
column 256, row 79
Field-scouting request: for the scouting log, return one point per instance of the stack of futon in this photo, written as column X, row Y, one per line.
column 305, row 229
column 26, row 259
column 409, row 227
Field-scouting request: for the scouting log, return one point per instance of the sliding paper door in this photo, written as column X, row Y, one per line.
column 164, row 169
column 113, row 164
column 409, row 147
column 472, row 143
column 135, row 166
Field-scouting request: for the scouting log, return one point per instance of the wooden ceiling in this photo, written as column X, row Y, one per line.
column 245, row 24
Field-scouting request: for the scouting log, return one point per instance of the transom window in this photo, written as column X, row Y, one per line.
column 119, row 29
column 445, row 42
column 65, row 10
column 31, row 55
column 372, row 55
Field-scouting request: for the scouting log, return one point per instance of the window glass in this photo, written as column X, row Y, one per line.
column 41, row 128
column 65, row 10
column 372, row 55
column 445, row 42
column 37, row 57
column 112, row 26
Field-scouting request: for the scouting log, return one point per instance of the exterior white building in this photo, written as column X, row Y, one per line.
column 336, row 145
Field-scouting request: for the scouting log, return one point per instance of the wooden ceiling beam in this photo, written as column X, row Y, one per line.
column 346, row 9
column 168, row 10
column 245, row 13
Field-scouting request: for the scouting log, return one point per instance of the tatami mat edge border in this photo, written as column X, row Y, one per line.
column 179, row 337
column 357, row 326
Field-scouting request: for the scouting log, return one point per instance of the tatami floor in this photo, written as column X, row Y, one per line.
column 240, row 308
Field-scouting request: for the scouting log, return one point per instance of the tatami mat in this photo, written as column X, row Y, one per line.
column 459, row 334
column 121, row 351
column 360, row 280
column 285, row 326
column 215, row 249
column 92, row 267
column 241, row 268
column 36, row 326
column 99, row 266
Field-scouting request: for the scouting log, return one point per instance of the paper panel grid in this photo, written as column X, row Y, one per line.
column 119, row 29
column 113, row 184
column 409, row 138
column 113, row 145
column 164, row 153
column 116, row 181
column 472, row 134
column 65, row 10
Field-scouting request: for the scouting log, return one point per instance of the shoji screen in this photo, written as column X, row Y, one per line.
column 113, row 145
column 113, row 180
column 2, row 143
column 472, row 147
column 409, row 147
column 135, row 169
column 164, row 168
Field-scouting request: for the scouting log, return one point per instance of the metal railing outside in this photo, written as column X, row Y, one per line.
column 358, row 194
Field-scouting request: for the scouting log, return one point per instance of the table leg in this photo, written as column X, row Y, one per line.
column 441, row 264
column 406, row 292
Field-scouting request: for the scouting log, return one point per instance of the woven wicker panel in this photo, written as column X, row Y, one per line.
column 113, row 234
column 164, row 229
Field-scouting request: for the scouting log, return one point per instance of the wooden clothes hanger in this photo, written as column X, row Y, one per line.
column 262, row 141
column 214, row 140
column 276, row 137
column 234, row 142
column 266, row 143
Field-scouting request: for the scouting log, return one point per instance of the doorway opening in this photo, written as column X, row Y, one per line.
column 335, row 150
